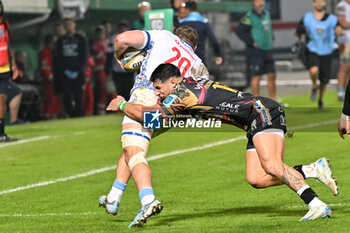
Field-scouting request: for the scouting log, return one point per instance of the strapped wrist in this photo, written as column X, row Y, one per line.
column 345, row 117
column 122, row 104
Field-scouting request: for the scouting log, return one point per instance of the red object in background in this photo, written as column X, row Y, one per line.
column 99, row 52
column 51, row 102
column 88, row 97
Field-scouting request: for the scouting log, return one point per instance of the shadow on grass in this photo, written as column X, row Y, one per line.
column 269, row 211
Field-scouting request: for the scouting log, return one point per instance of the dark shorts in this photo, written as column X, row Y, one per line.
column 324, row 64
column 266, row 114
column 13, row 91
column 4, row 82
column 261, row 62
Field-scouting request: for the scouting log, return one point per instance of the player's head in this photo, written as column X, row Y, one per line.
column 319, row 5
column 189, row 35
column 100, row 33
column 143, row 7
column 165, row 78
column 50, row 40
column 60, row 30
column 259, row 6
column 69, row 25
column 186, row 8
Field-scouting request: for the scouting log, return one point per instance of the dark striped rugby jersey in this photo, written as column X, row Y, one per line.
column 211, row 100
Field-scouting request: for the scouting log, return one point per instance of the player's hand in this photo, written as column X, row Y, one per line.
column 15, row 72
column 339, row 31
column 343, row 127
column 113, row 105
column 218, row 60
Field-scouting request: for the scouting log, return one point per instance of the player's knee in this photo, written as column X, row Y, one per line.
column 314, row 70
column 255, row 181
column 271, row 168
column 137, row 159
column 130, row 151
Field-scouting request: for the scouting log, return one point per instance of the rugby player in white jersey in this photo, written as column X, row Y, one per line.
column 162, row 47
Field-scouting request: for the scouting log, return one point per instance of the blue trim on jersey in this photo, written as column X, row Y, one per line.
column 144, row 192
column 119, row 185
column 321, row 34
column 136, row 134
column 194, row 16
column 148, row 40
column 188, row 44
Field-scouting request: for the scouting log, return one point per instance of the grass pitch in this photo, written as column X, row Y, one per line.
column 45, row 184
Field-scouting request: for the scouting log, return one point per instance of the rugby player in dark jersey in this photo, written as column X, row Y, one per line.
column 262, row 118
column 344, row 121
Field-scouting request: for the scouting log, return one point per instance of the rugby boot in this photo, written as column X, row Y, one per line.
column 146, row 212
column 323, row 211
column 324, row 174
column 111, row 207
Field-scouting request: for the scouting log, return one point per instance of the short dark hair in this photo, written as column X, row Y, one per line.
column 49, row 39
column 188, row 34
column 164, row 72
column 191, row 5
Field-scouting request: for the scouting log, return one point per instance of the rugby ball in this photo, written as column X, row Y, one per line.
column 132, row 59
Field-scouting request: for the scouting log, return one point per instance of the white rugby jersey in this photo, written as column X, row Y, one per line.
column 343, row 9
column 165, row 47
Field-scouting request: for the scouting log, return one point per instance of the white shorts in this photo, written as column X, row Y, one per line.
column 278, row 132
column 143, row 96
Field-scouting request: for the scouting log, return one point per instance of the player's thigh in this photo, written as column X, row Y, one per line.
column 270, row 147
column 269, row 64
column 256, row 65
column 254, row 170
column 313, row 62
column 325, row 69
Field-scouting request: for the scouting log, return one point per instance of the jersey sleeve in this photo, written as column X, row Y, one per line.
column 180, row 101
column 173, row 105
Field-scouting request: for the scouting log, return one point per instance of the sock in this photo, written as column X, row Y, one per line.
column 300, row 170
column 146, row 196
column 341, row 91
column 307, row 194
column 307, row 171
column 116, row 192
column 2, row 126
column 316, row 202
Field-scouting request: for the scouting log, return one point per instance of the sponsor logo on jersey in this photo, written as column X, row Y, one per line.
column 228, row 107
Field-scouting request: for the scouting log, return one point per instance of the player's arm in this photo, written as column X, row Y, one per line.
column 244, row 31
column 134, row 111
column 300, row 30
column 136, row 39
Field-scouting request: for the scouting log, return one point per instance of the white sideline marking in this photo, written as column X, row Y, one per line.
column 102, row 213
column 314, row 125
column 38, row 139
column 155, row 157
column 97, row 171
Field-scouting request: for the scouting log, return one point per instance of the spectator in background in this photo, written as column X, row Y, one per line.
column 88, row 98
column 21, row 60
column 51, row 103
column 110, row 47
column 344, row 121
column 343, row 13
column 14, row 97
column 8, row 69
column 143, row 7
column 189, row 16
column 175, row 4
column 123, row 80
column 320, row 28
column 72, row 55
column 98, row 52
column 59, row 31
column 255, row 30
